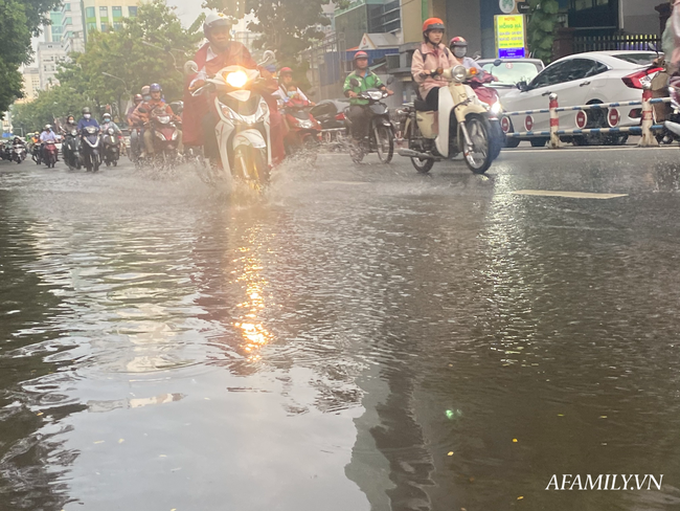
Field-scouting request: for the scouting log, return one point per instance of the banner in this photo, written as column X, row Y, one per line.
column 510, row 36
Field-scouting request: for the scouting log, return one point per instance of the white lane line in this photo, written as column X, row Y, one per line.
column 570, row 195
column 594, row 149
column 348, row 183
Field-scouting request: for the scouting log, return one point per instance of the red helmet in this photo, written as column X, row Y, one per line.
column 138, row 97
column 285, row 70
column 458, row 41
column 360, row 55
column 433, row 24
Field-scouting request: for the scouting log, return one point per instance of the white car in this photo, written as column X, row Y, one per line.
column 582, row 79
column 509, row 72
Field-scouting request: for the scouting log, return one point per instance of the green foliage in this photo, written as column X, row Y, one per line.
column 19, row 20
column 541, row 28
column 286, row 26
column 151, row 47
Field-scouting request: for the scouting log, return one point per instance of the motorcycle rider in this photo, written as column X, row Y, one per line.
column 87, row 120
column 143, row 112
column 366, row 79
column 431, row 55
column 459, row 47
column 286, row 87
column 137, row 100
column 146, row 93
column 66, row 131
column 199, row 119
column 47, row 136
column 107, row 123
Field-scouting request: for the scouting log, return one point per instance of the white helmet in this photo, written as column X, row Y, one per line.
column 215, row 19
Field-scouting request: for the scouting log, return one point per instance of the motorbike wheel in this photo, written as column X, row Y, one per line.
column 483, row 144
column 384, row 142
column 422, row 166
column 95, row 164
column 251, row 164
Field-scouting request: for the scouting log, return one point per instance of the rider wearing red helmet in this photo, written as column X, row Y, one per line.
column 366, row 79
column 431, row 55
column 459, row 46
column 287, row 88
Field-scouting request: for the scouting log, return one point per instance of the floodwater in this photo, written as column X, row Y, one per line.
column 362, row 339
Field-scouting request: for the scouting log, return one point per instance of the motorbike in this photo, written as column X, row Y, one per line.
column 91, row 148
column 71, row 150
column 380, row 138
column 50, row 153
column 36, row 153
column 332, row 120
column 166, row 134
column 243, row 127
column 18, row 153
column 304, row 132
column 463, row 124
column 136, row 144
column 673, row 124
column 111, row 147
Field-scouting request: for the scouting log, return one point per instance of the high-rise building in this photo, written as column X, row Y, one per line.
column 31, row 77
column 73, row 29
column 49, row 56
column 53, row 31
column 105, row 15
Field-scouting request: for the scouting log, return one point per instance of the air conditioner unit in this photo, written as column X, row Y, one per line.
column 392, row 61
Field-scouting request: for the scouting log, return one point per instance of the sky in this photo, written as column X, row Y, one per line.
column 187, row 10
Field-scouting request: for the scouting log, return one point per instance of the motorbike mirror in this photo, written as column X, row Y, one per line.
column 497, row 62
column 268, row 57
column 190, row 67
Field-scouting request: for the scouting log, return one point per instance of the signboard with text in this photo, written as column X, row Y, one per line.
column 510, row 36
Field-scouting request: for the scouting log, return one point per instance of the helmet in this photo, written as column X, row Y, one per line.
column 86, row 110
column 106, row 115
column 138, row 97
column 215, row 19
column 433, row 24
column 360, row 55
column 285, row 70
column 458, row 42
column 48, row 127
column 145, row 90
column 155, row 87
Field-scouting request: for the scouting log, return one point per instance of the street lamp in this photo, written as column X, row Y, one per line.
column 120, row 96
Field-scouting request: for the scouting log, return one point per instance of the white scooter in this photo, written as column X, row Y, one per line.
column 437, row 136
column 243, row 129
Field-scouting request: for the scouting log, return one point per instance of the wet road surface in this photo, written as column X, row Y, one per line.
column 363, row 339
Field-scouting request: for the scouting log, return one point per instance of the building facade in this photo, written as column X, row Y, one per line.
column 105, row 15
column 49, row 56
column 367, row 16
column 53, row 31
column 31, row 76
column 73, row 28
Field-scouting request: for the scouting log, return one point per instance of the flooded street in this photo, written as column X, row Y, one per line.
column 364, row 339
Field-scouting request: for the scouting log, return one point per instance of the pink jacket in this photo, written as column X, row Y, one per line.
column 428, row 59
column 675, row 20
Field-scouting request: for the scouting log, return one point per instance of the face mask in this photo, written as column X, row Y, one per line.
column 460, row 52
column 147, row 98
column 291, row 93
column 87, row 116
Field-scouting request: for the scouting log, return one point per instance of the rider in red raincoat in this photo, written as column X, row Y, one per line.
column 219, row 52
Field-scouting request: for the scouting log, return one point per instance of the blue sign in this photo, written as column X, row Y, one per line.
column 512, row 53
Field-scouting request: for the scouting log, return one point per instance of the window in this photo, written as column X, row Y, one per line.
column 89, row 13
column 132, row 11
column 117, row 12
column 105, row 27
column 568, row 71
column 117, row 26
column 67, row 7
column 104, row 12
column 68, row 21
column 91, row 27
column 550, row 76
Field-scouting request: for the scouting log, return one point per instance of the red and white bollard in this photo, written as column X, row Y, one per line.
column 648, row 139
column 554, row 122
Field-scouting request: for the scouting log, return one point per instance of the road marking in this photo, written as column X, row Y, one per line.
column 570, row 195
column 349, row 183
column 584, row 150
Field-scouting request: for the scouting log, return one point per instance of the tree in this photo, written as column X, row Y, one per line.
column 19, row 20
column 51, row 104
column 286, row 26
column 541, row 28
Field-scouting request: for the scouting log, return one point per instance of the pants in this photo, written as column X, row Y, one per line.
column 662, row 111
column 359, row 119
column 432, row 99
column 148, row 141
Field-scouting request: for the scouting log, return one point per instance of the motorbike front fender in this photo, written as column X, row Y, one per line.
column 252, row 138
column 446, row 104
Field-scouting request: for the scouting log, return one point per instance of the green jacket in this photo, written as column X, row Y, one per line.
column 370, row 81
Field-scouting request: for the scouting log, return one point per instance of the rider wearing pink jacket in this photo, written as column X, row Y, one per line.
column 431, row 55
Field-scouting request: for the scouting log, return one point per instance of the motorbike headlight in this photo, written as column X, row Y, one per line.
column 459, row 74
column 306, row 124
column 375, row 95
column 237, row 79
column 496, row 109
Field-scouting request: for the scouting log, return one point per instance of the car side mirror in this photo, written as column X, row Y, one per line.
column 523, row 86
column 190, row 67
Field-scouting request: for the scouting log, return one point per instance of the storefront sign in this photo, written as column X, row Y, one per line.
column 510, row 36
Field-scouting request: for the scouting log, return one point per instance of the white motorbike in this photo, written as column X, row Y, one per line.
column 243, row 129
column 463, row 124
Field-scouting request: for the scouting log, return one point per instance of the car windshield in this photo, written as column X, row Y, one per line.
column 640, row 59
column 511, row 73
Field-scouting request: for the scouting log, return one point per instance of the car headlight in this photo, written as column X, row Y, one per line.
column 459, row 74
column 237, row 79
